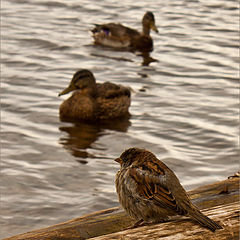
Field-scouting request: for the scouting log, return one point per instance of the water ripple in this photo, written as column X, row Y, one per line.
column 185, row 103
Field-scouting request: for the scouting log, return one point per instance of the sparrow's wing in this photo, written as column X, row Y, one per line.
column 151, row 179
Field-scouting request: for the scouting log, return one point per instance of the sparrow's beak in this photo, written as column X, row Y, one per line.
column 119, row 160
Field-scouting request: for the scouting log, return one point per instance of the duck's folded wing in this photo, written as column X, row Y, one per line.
column 114, row 30
column 111, row 90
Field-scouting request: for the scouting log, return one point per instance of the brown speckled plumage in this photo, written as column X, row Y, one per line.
column 118, row 36
column 150, row 192
column 94, row 101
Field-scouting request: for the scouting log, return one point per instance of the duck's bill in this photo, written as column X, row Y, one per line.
column 154, row 28
column 66, row 90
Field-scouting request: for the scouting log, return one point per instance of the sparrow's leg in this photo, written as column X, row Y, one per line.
column 137, row 224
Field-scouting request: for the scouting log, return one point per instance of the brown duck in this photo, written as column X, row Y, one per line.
column 118, row 36
column 94, row 101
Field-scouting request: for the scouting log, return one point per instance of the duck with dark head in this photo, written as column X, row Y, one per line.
column 119, row 36
column 93, row 101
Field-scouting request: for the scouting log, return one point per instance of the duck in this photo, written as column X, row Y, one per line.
column 93, row 101
column 117, row 35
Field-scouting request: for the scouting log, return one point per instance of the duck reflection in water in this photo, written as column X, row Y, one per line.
column 146, row 58
column 80, row 136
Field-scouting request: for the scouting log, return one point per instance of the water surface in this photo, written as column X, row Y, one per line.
column 184, row 106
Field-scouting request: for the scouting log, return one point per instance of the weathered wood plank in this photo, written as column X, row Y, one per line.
column 114, row 220
column 186, row 229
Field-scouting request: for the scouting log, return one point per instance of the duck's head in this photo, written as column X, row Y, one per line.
column 148, row 21
column 82, row 79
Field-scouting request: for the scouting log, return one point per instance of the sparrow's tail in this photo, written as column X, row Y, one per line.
column 204, row 220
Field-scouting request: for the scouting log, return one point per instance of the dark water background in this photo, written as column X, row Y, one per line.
column 52, row 171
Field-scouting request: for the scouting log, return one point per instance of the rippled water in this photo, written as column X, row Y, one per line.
column 52, row 171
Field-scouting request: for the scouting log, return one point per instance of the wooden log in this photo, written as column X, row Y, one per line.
column 221, row 200
column 186, row 229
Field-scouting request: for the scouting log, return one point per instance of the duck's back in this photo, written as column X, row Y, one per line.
column 114, row 35
column 115, row 29
column 111, row 90
column 113, row 100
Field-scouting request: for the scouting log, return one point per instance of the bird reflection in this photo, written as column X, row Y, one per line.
column 80, row 136
column 147, row 59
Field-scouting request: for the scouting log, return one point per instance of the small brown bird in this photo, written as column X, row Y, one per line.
column 93, row 101
column 150, row 192
column 119, row 36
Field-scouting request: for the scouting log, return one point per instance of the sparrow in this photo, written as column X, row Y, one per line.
column 150, row 192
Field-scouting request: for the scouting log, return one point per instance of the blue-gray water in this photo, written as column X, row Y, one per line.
column 52, row 171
